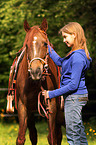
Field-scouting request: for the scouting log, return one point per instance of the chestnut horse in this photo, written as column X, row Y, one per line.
column 30, row 78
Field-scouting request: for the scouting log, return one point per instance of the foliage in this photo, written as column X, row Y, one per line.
column 58, row 13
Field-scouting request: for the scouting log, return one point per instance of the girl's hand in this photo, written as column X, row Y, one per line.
column 45, row 94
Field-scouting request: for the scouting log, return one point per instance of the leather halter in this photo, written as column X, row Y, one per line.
column 43, row 61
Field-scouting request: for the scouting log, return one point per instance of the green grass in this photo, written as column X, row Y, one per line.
column 9, row 132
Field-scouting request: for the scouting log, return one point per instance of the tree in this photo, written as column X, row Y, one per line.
column 58, row 13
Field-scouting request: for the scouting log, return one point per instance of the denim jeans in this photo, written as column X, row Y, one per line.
column 73, row 119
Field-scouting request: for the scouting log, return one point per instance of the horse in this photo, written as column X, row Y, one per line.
column 37, row 70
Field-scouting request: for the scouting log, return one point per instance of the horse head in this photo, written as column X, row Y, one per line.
column 36, row 42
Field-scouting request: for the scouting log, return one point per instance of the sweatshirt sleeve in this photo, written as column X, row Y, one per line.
column 54, row 56
column 77, row 67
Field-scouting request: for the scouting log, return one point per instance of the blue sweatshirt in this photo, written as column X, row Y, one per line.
column 73, row 67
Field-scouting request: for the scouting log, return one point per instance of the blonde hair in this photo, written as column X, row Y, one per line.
column 80, row 40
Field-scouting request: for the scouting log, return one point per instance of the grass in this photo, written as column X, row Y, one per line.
column 9, row 132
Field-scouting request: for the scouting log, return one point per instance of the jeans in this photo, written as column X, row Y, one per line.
column 73, row 119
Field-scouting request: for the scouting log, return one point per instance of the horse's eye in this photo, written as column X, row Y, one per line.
column 45, row 44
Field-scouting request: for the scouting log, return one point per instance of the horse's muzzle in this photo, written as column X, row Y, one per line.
column 36, row 66
column 36, row 73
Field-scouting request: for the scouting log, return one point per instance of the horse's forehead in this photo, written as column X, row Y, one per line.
column 37, row 36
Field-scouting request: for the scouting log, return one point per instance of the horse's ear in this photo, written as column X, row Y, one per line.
column 44, row 25
column 26, row 26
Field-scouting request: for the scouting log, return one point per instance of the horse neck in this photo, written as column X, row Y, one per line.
column 24, row 66
column 53, row 71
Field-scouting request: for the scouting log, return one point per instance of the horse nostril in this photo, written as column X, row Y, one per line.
column 31, row 70
column 38, row 70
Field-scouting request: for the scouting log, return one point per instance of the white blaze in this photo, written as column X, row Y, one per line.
column 34, row 45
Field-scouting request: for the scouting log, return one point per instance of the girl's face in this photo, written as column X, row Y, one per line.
column 68, row 39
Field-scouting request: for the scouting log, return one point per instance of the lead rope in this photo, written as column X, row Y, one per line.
column 46, row 101
column 45, row 112
column 41, row 106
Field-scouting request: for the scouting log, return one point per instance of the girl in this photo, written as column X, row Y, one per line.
column 72, row 85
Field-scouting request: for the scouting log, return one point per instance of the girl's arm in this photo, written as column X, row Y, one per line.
column 55, row 57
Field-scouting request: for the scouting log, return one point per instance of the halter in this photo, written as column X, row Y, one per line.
column 43, row 61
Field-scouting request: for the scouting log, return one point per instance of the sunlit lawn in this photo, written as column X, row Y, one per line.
column 9, row 131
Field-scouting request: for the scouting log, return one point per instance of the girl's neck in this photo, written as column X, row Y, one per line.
column 73, row 49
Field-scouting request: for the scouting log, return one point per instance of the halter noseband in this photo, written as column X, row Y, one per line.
column 37, row 58
column 42, row 60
